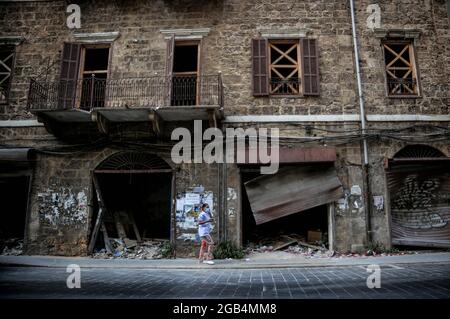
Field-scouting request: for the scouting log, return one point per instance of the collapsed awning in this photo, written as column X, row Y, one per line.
column 292, row 190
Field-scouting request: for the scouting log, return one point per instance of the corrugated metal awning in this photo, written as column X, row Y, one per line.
column 292, row 190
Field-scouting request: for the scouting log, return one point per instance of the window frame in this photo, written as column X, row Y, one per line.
column 270, row 41
column 412, row 61
column 81, row 71
column 11, row 73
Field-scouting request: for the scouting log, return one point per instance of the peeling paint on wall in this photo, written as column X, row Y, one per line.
column 63, row 207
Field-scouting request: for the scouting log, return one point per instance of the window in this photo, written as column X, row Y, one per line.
column 285, row 67
column 284, row 57
column 84, row 70
column 185, row 73
column 94, row 71
column 6, row 66
column 400, row 68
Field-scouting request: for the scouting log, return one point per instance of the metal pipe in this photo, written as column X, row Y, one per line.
column 362, row 116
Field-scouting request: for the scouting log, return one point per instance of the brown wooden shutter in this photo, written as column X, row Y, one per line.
column 260, row 73
column 169, row 68
column 69, row 74
column 310, row 67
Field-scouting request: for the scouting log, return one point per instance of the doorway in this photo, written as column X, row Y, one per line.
column 312, row 225
column 14, row 192
column 186, row 71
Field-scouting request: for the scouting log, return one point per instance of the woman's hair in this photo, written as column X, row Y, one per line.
column 204, row 205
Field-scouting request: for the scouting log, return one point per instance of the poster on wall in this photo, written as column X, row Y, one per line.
column 188, row 207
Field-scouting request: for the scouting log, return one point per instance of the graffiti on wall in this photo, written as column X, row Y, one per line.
column 188, row 205
column 63, row 207
column 412, row 206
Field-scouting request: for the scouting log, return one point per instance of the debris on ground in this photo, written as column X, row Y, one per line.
column 131, row 249
column 13, row 247
column 292, row 243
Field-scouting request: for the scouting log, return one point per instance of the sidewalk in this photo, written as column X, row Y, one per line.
column 250, row 263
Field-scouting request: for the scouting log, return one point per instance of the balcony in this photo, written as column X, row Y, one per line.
column 177, row 98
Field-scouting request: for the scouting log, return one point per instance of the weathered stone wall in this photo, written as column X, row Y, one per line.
column 141, row 49
column 432, row 48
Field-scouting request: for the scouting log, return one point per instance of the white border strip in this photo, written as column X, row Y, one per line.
column 335, row 118
column 20, row 123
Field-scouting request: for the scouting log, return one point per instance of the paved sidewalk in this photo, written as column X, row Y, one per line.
column 250, row 263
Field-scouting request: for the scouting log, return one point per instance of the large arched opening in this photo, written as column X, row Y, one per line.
column 132, row 199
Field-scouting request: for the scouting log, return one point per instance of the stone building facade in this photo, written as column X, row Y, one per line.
column 71, row 154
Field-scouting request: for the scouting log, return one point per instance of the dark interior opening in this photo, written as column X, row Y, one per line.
column 93, row 89
column 96, row 59
column 185, row 58
column 299, row 224
column 14, row 201
column 142, row 197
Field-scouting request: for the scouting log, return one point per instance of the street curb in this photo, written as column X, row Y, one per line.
column 192, row 267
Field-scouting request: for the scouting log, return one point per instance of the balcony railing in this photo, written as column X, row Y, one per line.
column 155, row 91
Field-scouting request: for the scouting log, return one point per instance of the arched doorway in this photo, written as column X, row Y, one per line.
column 418, row 180
column 133, row 198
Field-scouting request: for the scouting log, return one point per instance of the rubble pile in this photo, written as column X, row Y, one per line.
column 131, row 249
column 294, row 244
column 13, row 247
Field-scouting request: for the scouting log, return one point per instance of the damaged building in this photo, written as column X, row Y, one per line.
column 91, row 94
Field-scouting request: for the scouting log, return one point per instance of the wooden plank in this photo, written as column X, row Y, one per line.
column 119, row 226
column 99, row 220
column 108, row 246
column 290, row 242
column 135, row 228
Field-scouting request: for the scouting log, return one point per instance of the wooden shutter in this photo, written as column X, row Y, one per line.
column 310, row 67
column 69, row 74
column 260, row 70
column 169, row 68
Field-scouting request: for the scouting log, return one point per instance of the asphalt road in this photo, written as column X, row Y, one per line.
column 430, row 281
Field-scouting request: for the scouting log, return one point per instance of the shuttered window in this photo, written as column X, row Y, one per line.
column 69, row 74
column 285, row 67
column 310, row 70
column 259, row 67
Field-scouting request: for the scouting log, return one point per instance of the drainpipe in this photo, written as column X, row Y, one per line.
column 365, row 166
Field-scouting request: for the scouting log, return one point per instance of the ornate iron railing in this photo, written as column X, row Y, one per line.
column 155, row 91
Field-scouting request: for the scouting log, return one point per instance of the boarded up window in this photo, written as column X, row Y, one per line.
column 285, row 67
column 284, row 57
column 6, row 66
column 400, row 68
column 292, row 190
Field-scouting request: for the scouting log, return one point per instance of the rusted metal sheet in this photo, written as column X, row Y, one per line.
column 420, row 204
column 292, row 190
column 299, row 155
